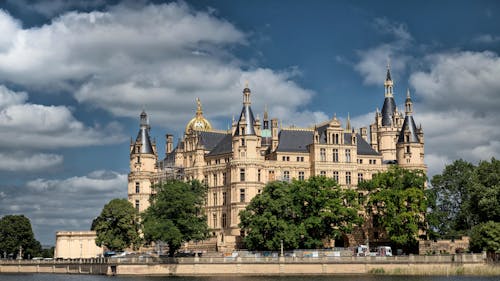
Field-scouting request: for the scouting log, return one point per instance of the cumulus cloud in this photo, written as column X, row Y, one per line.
column 109, row 61
column 33, row 126
column 64, row 204
column 23, row 162
column 487, row 39
column 455, row 95
column 458, row 105
column 373, row 58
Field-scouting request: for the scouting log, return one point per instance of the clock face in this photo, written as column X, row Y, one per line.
column 198, row 124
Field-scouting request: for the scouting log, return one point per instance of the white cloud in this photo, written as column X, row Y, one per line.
column 33, row 126
column 458, row 106
column 108, row 60
column 65, row 204
column 371, row 60
column 23, row 162
column 487, row 39
column 50, row 8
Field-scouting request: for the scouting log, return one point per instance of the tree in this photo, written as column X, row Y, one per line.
column 485, row 237
column 300, row 214
column 176, row 214
column 117, row 226
column 465, row 196
column 397, row 201
column 485, row 193
column 16, row 232
column 451, row 193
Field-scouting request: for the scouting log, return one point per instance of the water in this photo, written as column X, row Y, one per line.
column 62, row 277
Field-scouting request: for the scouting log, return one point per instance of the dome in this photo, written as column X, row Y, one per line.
column 198, row 122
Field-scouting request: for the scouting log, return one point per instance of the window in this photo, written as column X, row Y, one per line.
column 360, row 177
column 322, row 173
column 138, row 159
column 242, row 174
column 285, row 158
column 322, row 154
column 336, row 176
column 242, row 142
column 137, row 187
column 286, row 175
column 335, row 155
column 347, row 178
column 300, row 158
column 258, row 175
column 224, row 220
column 215, row 180
column 271, row 175
column 301, row 175
column 348, row 155
column 408, row 149
column 137, row 205
column 215, row 198
column 224, row 198
column 214, row 219
column 242, row 195
column 224, row 178
column 205, row 180
column 360, row 161
column 336, row 139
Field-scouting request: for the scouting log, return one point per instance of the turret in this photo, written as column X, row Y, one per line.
column 409, row 148
column 143, row 165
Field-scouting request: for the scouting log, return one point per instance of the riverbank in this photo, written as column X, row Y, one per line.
column 466, row 264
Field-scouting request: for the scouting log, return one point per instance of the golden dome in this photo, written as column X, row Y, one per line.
column 198, row 122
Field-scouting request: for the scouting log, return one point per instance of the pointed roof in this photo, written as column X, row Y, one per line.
column 246, row 115
column 143, row 135
column 388, row 110
column 388, row 74
column 410, row 127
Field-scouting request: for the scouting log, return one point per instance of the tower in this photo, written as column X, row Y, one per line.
column 385, row 130
column 410, row 145
column 143, row 159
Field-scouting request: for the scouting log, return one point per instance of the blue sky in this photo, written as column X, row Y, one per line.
column 74, row 76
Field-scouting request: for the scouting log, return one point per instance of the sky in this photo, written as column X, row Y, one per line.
column 75, row 75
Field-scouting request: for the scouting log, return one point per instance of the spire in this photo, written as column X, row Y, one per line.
column 389, row 107
column 247, row 119
column 408, row 103
column 388, row 74
column 348, row 123
column 199, row 111
column 143, row 135
column 266, row 116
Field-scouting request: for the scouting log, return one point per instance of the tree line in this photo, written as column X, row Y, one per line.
column 463, row 200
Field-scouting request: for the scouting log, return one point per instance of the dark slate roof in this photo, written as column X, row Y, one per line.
column 408, row 125
column 388, row 110
column 363, row 147
column 249, row 121
column 145, row 140
column 224, row 146
column 388, row 75
column 210, row 139
column 294, row 141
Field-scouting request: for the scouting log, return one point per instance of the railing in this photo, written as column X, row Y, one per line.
column 261, row 258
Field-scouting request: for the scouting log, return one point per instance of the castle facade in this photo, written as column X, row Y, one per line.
column 236, row 164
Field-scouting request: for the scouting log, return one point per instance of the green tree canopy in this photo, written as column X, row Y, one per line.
column 117, row 227
column 485, row 237
column 15, row 232
column 465, row 196
column 301, row 214
column 176, row 214
column 451, row 193
column 398, row 200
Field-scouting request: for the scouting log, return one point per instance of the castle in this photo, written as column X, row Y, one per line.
column 236, row 164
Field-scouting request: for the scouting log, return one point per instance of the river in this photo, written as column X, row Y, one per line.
column 62, row 277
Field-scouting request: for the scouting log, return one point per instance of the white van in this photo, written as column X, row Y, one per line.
column 384, row 251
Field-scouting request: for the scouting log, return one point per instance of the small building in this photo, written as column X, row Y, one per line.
column 77, row 245
column 432, row 247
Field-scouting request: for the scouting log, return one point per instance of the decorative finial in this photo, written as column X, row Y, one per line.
column 335, row 116
column 199, row 111
column 246, row 83
column 407, row 93
column 348, row 125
